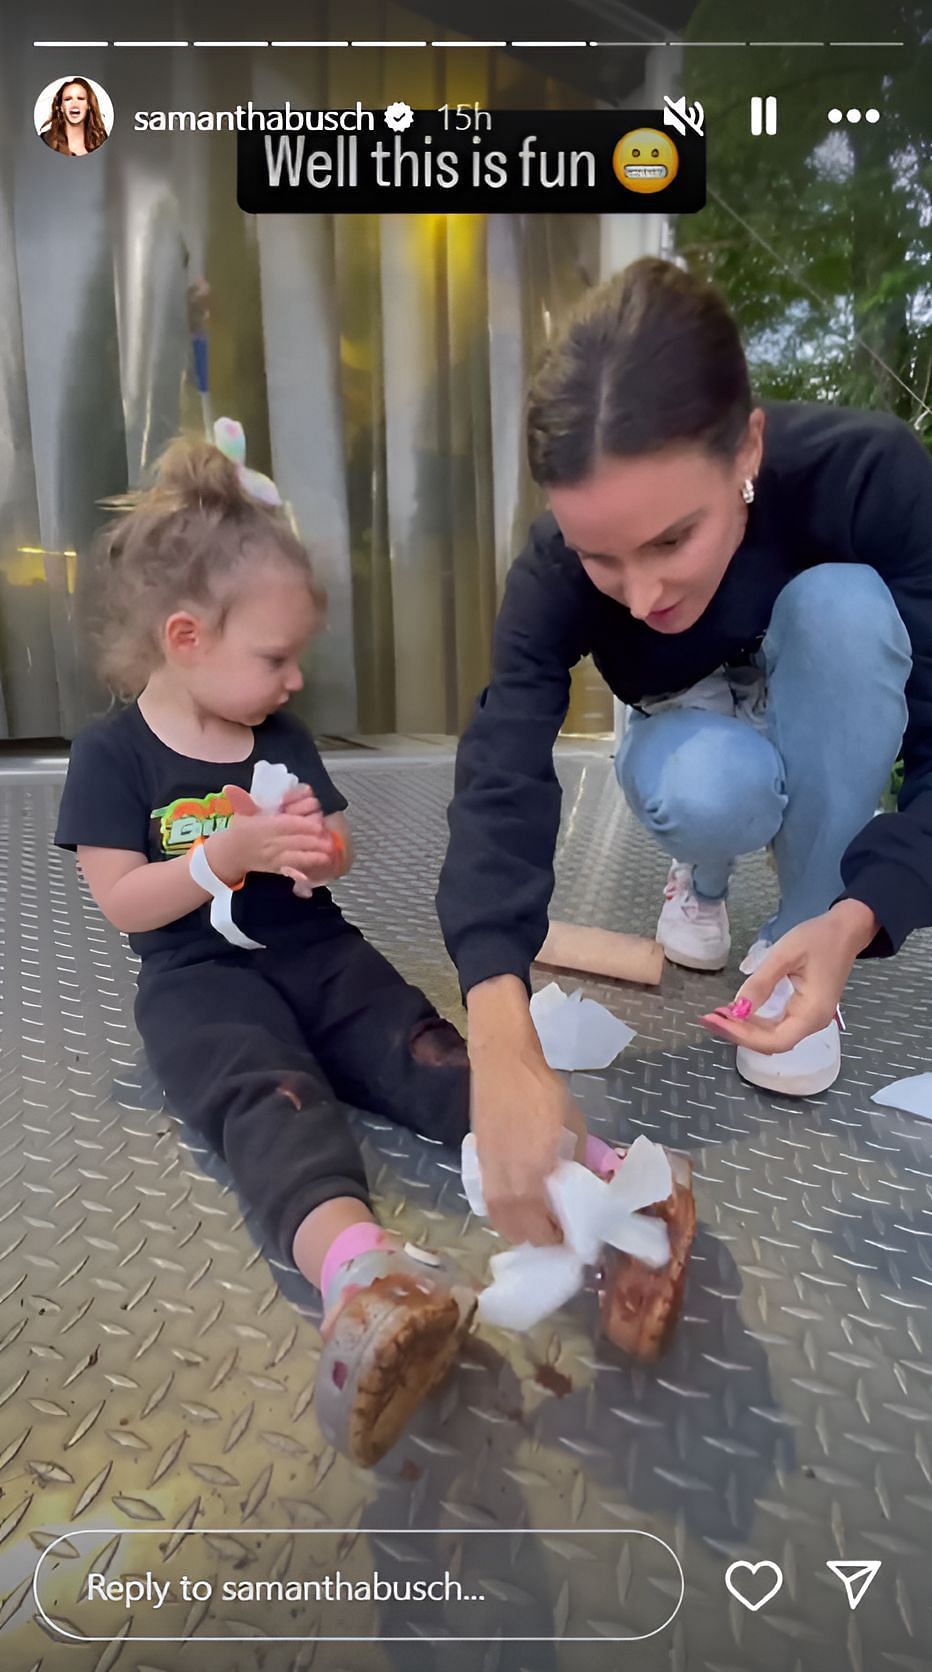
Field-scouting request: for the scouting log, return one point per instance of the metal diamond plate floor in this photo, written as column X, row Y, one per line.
column 156, row 1371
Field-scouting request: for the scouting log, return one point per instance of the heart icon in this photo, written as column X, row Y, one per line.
column 752, row 1569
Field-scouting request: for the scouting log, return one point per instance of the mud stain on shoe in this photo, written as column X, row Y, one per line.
column 553, row 1380
column 639, row 1306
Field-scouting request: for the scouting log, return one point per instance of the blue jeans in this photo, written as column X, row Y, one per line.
column 710, row 786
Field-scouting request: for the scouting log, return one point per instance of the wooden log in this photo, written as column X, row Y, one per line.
column 570, row 946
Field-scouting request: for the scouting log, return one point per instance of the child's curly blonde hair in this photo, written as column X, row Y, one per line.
column 183, row 543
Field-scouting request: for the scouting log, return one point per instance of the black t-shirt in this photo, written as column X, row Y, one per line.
column 125, row 788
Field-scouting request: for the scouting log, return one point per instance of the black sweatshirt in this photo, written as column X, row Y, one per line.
column 835, row 486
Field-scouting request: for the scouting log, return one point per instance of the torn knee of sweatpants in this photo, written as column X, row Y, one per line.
column 437, row 1044
column 292, row 1087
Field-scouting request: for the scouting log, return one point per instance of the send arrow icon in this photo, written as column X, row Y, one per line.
column 857, row 1578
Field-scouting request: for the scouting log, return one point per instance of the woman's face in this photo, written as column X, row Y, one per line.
column 657, row 533
column 74, row 103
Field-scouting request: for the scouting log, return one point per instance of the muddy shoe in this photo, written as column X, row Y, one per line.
column 391, row 1335
column 640, row 1306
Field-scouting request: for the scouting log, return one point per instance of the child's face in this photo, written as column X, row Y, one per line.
column 251, row 666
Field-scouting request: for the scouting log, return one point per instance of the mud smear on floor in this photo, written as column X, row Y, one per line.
column 553, row 1380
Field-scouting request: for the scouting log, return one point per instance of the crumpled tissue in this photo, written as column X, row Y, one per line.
column 528, row 1283
column 271, row 782
column 914, row 1095
column 575, row 1032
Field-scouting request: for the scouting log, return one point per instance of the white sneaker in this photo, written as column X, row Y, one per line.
column 810, row 1067
column 692, row 932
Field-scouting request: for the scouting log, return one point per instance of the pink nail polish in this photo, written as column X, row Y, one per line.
column 740, row 1010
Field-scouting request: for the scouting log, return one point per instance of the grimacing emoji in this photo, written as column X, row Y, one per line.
column 645, row 160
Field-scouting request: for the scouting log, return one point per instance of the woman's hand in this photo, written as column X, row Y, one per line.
column 817, row 957
column 519, row 1110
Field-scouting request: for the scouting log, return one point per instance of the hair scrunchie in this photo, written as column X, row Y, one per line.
column 230, row 437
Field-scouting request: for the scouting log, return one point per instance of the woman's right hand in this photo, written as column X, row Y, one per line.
column 276, row 842
column 519, row 1110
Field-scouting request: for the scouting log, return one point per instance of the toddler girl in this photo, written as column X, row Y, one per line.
column 262, row 1031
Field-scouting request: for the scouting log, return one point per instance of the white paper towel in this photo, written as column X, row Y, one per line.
column 575, row 1032
column 914, row 1095
column 271, row 782
column 528, row 1283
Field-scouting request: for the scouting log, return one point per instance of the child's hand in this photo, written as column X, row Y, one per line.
column 282, row 843
column 303, row 802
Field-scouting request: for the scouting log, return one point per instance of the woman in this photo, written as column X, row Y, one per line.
column 76, row 126
column 756, row 581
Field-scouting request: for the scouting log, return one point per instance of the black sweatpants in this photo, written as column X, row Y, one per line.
column 260, row 1052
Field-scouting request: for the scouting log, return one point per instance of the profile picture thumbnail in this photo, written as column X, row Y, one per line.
column 74, row 115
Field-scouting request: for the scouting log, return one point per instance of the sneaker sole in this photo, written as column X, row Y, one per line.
column 639, row 1306
column 688, row 961
column 796, row 1085
column 383, row 1357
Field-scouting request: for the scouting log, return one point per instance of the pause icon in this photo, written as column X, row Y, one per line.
column 764, row 115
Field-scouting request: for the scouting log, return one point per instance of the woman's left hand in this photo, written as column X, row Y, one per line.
column 817, row 957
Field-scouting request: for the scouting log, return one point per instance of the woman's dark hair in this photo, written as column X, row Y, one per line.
column 652, row 357
column 190, row 540
column 56, row 134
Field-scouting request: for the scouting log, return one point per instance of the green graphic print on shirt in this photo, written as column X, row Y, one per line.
column 190, row 819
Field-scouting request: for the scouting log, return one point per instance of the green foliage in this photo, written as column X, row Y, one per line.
column 821, row 236
column 891, row 794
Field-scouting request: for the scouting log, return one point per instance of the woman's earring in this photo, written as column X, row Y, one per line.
column 747, row 491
